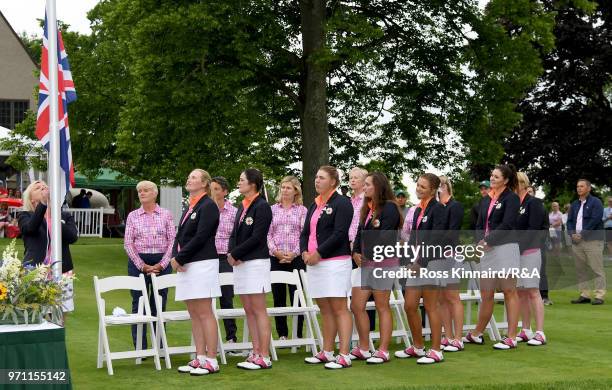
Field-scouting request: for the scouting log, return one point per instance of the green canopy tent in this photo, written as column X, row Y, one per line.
column 121, row 192
column 107, row 180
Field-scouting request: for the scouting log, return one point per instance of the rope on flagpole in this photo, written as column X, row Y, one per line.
column 54, row 160
column 264, row 188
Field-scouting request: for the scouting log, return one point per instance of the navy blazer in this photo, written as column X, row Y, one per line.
column 454, row 220
column 249, row 238
column 430, row 232
column 502, row 220
column 332, row 227
column 592, row 218
column 33, row 227
column 387, row 219
column 196, row 235
column 532, row 223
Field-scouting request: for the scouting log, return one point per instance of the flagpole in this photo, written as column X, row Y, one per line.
column 54, row 158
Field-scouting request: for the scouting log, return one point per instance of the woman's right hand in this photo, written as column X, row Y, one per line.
column 280, row 256
column 44, row 193
column 357, row 258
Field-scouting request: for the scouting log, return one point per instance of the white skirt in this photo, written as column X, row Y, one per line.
column 199, row 280
column 330, row 278
column 530, row 263
column 374, row 278
column 429, row 276
column 252, row 277
column 356, row 277
column 451, row 264
column 501, row 258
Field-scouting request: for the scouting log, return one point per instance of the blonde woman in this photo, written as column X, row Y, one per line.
column 149, row 236
column 197, row 265
column 288, row 216
column 35, row 226
column 357, row 176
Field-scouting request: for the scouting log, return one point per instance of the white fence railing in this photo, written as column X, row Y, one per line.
column 14, row 211
column 88, row 221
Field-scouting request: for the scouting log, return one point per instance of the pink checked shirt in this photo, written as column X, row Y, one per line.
column 287, row 224
column 149, row 233
column 227, row 215
column 407, row 228
column 357, row 202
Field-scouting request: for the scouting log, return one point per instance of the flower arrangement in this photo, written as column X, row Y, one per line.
column 27, row 293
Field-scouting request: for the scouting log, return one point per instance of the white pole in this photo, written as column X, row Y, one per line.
column 54, row 163
column 101, row 225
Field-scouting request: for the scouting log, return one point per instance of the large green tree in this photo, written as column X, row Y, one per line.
column 506, row 60
column 225, row 85
column 565, row 133
column 165, row 86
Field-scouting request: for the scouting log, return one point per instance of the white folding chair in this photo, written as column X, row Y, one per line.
column 471, row 296
column 398, row 307
column 299, row 307
column 142, row 317
column 227, row 279
column 396, row 302
column 160, row 283
column 316, row 310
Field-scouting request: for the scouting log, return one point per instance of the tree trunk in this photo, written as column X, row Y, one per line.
column 313, row 91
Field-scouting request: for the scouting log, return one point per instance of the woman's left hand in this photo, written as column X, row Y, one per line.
column 314, row 258
column 484, row 245
column 233, row 262
column 176, row 266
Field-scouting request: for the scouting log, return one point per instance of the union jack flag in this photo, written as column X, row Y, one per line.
column 66, row 95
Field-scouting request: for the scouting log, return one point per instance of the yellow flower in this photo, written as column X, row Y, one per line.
column 3, row 291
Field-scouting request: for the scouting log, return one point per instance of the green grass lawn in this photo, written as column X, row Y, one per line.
column 579, row 353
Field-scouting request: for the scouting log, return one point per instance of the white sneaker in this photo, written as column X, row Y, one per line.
column 378, row 357
column 258, row 363
column 471, row 338
column 524, row 336
column 505, row 344
column 342, row 361
column 207, row 368
column 359, row 354
column 247, row 363
column 192, row 365
column 409, row 352
column 431, row 357
column 538, row 339
column 321, row 357
column 454, row 346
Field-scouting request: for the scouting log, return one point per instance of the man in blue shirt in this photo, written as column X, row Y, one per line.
column 607, row 220
column 585, row 226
